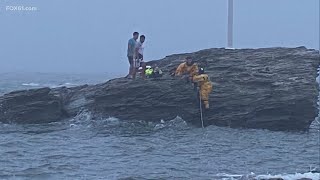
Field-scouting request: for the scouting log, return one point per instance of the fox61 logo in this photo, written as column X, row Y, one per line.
column 21, row 8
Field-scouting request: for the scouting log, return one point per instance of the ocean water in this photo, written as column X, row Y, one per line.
column 82, row 148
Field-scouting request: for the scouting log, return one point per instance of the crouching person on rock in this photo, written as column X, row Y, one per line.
column 205, row 86
column 157, row 72
column 153, row 72
column 187, row 70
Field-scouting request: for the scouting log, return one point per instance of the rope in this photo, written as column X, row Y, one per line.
column 201, row 116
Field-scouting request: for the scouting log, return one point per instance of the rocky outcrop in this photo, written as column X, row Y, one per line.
column 31, row 106
column 270, row 88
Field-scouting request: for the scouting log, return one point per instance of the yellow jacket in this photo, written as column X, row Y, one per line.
column 204, row 84
column 183, row 68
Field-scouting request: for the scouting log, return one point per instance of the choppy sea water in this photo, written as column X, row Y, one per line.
column 82, row 148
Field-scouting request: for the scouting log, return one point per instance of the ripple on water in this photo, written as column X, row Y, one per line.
column 115, row 149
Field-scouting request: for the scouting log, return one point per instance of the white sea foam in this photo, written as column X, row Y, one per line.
column 49, row 85
column 252, row 176
column 61, row 85
column 313, row 176
column 177, row 122
column 31, row 84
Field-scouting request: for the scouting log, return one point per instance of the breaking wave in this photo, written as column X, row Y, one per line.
column 85, row 119
column 252, row 176
column 37, row 85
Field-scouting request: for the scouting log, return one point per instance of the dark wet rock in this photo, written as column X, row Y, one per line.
column 270, row 88
column 31, row 106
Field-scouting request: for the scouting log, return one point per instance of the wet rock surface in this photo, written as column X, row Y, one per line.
column 270, row 88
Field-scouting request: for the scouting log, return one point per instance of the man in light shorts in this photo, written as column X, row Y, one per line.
column 138, row 57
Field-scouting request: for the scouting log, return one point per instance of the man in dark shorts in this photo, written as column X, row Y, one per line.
column 130, row 53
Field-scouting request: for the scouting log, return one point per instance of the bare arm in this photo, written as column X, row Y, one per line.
column 180, row 70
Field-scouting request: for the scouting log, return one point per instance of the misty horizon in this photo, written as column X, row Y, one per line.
column 92, row 37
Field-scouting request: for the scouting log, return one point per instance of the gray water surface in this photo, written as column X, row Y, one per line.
column 111, row 149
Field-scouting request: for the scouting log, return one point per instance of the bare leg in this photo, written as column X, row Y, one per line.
column 143, row 70
column 130, row 71
column 130, row 59
column 134, row 71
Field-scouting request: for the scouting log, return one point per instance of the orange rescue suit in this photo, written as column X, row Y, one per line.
column 205, row 87
column 183, row 68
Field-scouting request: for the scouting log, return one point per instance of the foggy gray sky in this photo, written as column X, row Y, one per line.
column 91, row 35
